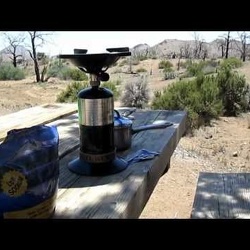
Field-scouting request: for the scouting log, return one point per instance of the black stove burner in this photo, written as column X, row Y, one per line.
column 96, row 63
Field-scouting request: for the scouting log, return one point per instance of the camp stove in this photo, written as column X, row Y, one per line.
column 97, row 155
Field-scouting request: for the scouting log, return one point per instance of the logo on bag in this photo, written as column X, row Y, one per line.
column 14, row 183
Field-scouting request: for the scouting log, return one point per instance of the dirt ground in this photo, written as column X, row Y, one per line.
column 223, row 147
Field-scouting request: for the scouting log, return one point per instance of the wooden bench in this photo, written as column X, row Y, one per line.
column 222, row 196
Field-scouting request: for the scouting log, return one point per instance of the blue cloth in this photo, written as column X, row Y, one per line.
column 141, row 155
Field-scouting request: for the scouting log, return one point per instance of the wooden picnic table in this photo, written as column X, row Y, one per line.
column 34, row 116
column 121, row 195
column 222, row 196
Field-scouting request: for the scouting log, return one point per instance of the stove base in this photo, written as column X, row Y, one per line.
column 81, row 167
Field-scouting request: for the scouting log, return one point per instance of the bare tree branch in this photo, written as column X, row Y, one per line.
column 221, row 46
column 37, row 40
column 199, row 44
column 228, row 41
column 242, row 45
column 187, row 50
column 14, row 42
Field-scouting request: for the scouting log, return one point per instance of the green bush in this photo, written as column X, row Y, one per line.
column 203, row 67
column 141, row 70
column 206, row 97
column 55, row 67
column 234, row 91
column 213, row 63
column 167, row 70
column 165, row 64
column 233, row 62
column 72, row 74
column 9, row 72
column 58, row 69
column 71, row 91
column 78, row 75
column 208, row 69
column 169, row 74
column 185, row 64
column 195, row 69
column 113, row 87
column 199, row 97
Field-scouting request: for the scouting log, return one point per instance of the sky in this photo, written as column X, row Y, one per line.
column 64, row 42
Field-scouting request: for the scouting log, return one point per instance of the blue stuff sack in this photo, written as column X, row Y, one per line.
column 29, row 172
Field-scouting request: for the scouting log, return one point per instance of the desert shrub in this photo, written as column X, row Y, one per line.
column 184, row 64
column 233, row 62
column 165, row 64
column 184, row 75
column 167, row 70
column 203, row 67
column 234, row 91
column 169, row 74
column 140, row 70
column 55, row 68
column 72, row 74
column 123, row 62
column 199, row 97
column 9, row 72
column 142, row 57
column 71, row 91
column 213, row 63
column 113, row 87
column 64, row 73
column 194, row 69
column 208, row 69
column 136, row 93
column 58, row 69
column 206, row 97
column 157, row 94
column 78, row 75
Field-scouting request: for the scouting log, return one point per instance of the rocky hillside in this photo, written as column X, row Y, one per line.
column 20, row 50
column 170, row 47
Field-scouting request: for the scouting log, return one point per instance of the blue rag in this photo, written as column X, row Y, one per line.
column 141, row 155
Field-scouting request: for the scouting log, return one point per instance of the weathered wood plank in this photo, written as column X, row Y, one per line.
column 34, row 116
column 222, row 195
column 68, row 130
column 125, row 194
column 117, row 196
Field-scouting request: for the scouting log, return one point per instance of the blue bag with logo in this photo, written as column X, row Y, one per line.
column 29, row 171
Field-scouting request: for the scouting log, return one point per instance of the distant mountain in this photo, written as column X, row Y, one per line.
column 140, row 47
column 20, row 50
column 168, row 47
